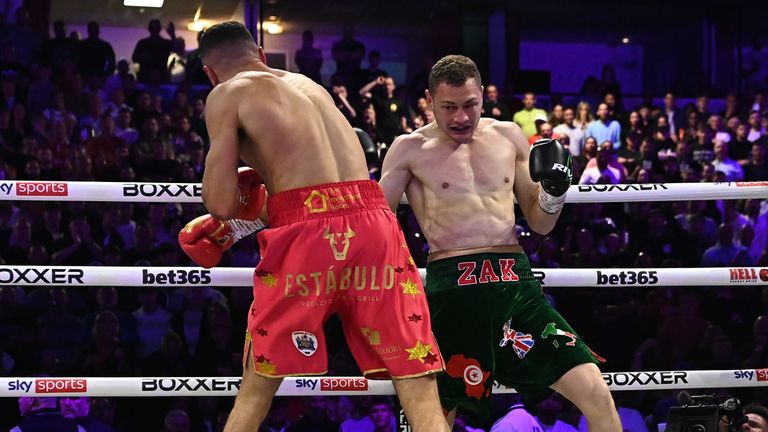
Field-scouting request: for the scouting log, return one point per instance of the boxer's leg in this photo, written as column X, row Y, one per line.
column 584, row 386
column 253, row 400
column 419, row 399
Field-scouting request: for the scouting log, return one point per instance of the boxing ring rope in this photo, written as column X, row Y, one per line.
column 243, row 276
column 309, row 386
column 192, row 192
column 349, row 386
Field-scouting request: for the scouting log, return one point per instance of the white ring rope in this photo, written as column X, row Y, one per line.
column 243, row 276
column 192, row 192
column 351, row 386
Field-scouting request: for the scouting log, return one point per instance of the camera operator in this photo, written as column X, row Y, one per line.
column 757, row 416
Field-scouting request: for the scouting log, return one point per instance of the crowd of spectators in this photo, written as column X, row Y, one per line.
column 70, row 111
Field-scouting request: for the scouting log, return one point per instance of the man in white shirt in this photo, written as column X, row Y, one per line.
column 575, row 134
column 517, row 419
column 732, row 170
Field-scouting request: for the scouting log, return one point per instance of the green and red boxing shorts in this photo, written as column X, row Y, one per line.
column 337, row 248
column 493, row 323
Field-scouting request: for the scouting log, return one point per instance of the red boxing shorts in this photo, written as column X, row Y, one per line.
column 337, row 248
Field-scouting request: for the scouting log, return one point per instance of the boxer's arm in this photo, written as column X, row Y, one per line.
column 525, row 189
column 220, row 193
column 396, row 172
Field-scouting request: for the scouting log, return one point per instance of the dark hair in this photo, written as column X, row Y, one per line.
column 756, row 408
column 225, row 33
column 381, row 400
column 453, row 70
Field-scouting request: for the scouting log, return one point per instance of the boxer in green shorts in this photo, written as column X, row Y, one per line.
column 512, row 336
column 461, row 175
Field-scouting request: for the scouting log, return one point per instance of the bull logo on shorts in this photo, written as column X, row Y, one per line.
column 333, row 239
column 305, row 342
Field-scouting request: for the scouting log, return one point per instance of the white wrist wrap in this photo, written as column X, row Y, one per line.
column 241, row 228
column 551, row 204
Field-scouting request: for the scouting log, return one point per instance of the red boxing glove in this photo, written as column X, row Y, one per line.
column 206, row 238
column 252, row 194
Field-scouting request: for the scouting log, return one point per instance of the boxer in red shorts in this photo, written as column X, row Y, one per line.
column 333, row 245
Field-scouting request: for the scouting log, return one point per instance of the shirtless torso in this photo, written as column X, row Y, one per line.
column 283, row 125
column 462, row 193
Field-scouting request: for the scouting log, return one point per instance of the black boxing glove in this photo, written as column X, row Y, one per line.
column 550, row 164
column 369, row 148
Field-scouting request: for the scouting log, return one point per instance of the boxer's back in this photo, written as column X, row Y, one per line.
column 292, row 133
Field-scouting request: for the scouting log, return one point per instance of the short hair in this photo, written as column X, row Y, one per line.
column 226, row 33
column 453, row 70
column 756, row 408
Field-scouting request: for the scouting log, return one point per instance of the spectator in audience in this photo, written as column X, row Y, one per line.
column 176, row 420
column 603, row 169
column 574, row 133
column 556, row 117
column 82, row 249
column 583, row 115
column 755, row 126
column 341, row 98
column 547, row 412
column 580, row 162
column 628, row 154
column 604, row 128
column 372, row 71
column 314, row 419
column 170, row 360
column 543, row 131
column 20, row 35
column 78, row 409
column 359, row 420
column 702, row 107
column 755, row 353
column 40, row 91
column 526, row 118
column 739, row 148
column 151, row 53
column 726, row 165
column 390, row 111
column 194, row 73
column 106, row 301
column 98, row 57
column 277, row 417
column 41, row 414
column 60, row 48
column 516, row 419
column 308, row 58
column 716, row 123
column 674, row 115
column 123, row 79
column 348, row 53
column 381, row 415
column 107, row 356
column 177, row 62
column 493, row 107
column 725, row 253
column 60, row 334
column 757, row 168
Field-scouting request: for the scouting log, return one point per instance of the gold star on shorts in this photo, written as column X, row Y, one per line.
column 266, row 367
column 410, row 288
column 419, row 351
column 411, row 261
column 269, row 280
